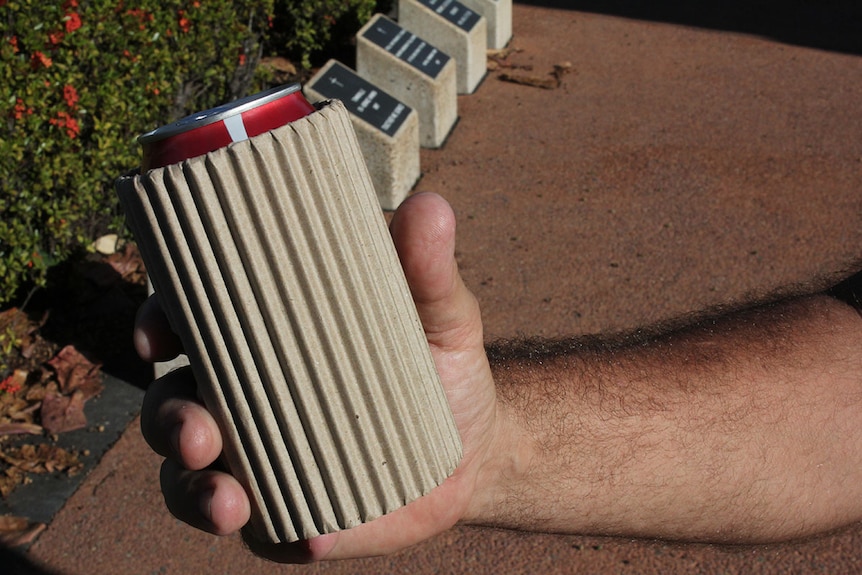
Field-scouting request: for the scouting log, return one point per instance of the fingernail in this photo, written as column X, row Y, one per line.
column 205, row 504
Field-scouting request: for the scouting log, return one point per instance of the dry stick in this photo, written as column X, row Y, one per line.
column 552, row 83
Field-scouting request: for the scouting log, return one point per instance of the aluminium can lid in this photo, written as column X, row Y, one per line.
column 217, row 114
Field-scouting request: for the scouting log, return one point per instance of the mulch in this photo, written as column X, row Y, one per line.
column 52, row 351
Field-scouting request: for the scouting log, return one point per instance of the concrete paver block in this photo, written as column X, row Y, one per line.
column 414, row 71
column 387, row 129
column 498, row 13
column 457, row 30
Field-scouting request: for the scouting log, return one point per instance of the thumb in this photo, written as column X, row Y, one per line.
column 423, row 230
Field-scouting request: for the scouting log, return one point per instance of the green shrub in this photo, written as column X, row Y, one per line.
column 80, row 80
column 303, row 28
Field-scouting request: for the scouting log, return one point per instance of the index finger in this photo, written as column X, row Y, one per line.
column 153, row 337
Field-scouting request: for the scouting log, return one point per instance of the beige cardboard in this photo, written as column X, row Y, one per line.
column 273, row 262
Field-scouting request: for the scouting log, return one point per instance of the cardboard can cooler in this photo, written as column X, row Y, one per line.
column 273, row 263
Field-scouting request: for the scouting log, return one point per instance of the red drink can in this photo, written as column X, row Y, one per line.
column 207, row 131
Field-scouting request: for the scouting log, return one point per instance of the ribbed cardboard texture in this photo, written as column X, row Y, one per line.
column 275, row 267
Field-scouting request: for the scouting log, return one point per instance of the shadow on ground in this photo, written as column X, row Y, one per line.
column 828, row 25
column 15, row 563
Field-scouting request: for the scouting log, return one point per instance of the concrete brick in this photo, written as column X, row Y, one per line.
column 414, row 71
column 386, row 128
column 498, row 13
column 457, row 30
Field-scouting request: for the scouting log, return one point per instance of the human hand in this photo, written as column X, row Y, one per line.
column 177, row 425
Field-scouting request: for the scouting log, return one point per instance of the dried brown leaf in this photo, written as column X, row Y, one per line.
column 61, row 413
column 22, row 537
column 41, row 458
column 76, row 372
column 279, row 64
column 13, row 523
column 20, row 428
column 128, row 264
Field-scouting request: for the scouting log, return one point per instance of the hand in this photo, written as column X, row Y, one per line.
column 177, row 425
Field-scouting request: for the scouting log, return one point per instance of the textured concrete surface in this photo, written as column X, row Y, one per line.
column 693, row 156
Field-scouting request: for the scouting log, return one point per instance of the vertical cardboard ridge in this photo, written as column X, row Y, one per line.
column 275, row 267
column 183, row 250
column 353, row 283
column 392, row 288
column 395, row 291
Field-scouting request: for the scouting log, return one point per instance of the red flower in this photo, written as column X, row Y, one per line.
column 70, row 124
column 142, row 16
column 14, row 41
column 55, row 37
column 20, row 110
column 11, row 384
column 73, row 22
column 70, row 4
column 72, row 128
column 128, row 56
column 38, row 58
column 70, row 94
column 184, row 23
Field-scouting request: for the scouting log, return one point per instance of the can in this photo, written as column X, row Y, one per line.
column 207, row 131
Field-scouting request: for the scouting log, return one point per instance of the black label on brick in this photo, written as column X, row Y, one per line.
column 363, row 99
column 406, row 46
column 453, row 11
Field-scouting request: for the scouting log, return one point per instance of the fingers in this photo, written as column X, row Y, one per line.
column 209, row 500
column 423, row 230
column 154, row 340
column 177, row 425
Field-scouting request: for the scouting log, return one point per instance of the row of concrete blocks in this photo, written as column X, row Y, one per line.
column 403, row 93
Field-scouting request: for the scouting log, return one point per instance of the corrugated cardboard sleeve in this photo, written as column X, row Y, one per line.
column 273, row 262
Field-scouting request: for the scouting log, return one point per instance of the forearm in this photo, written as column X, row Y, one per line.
column 747, row 429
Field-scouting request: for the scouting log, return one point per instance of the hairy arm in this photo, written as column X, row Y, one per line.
column 741, row 429
column 744, row 429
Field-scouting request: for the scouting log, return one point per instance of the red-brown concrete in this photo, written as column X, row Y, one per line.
column 676, row 168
